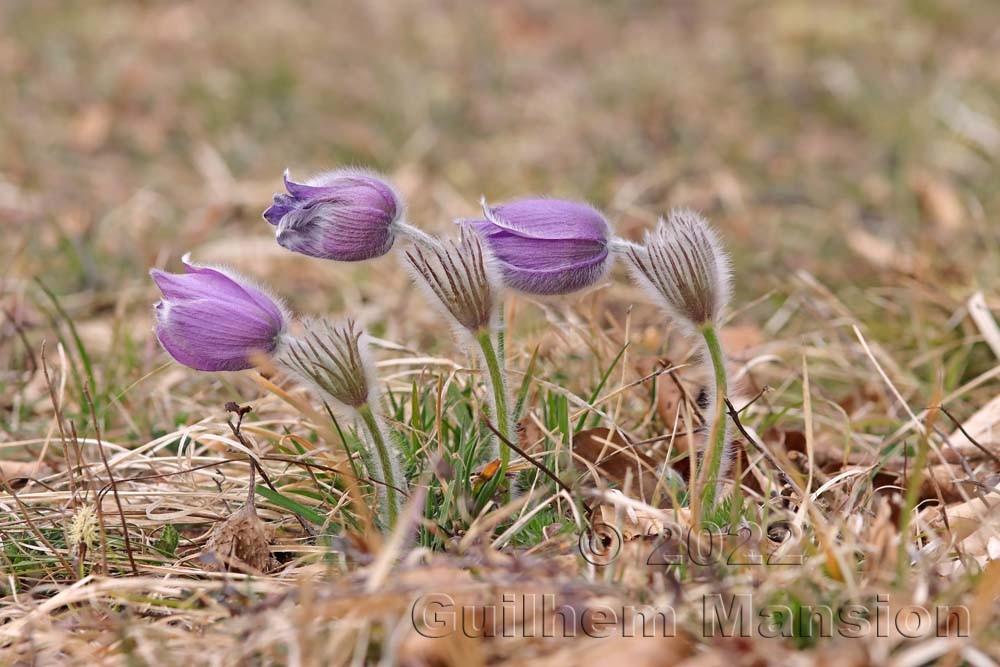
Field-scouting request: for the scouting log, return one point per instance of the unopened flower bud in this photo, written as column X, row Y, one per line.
column 683, row 266
column 212, row 320
column 546, row 246
column 459, row 279
column 333, row 358
column 347, row 215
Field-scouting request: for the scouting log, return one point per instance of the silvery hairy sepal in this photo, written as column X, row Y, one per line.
column 460, row 280
column 683, row 266
column 333, row 358
column 211, row 319
column 347, row 215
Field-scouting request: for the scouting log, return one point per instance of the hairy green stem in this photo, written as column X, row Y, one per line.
column 389, row 511
column 913, row 485
column 498, row 385
column 417, row 235
column 712, row 461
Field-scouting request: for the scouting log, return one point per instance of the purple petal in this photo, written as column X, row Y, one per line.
column 341, row 233
column 213, row 335
column 550, row 219
column 210, row 320
column 544, row 266
column 344, row 187
column 539, row 254
column 565, row 281
column 281, row 206
column 302, row 191
column 191, row 286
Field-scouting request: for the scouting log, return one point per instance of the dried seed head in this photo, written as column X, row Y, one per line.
column 684, row 267
column 241, row 540
column 460, row 279
column 332, row 358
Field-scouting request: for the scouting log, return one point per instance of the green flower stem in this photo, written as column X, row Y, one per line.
column 390, row 511
column 499, row 387
column 712, row 461
column 913, row 484
column 417, row 235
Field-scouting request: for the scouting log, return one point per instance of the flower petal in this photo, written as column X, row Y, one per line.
column 550, row 219
column 213, row 335
column 341, row 233
column 209, row 319
column 544, row 266
column 281, row 206
column 564, row 280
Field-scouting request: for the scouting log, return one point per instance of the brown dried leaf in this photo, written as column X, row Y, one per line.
column 974, row 524
column 632, row 522
column 739, row 340
column 528, row 433
column 879, row 252
column 614, row 459
column 985, row 322
column 940, row 202
column 23, row 469
column 635, row 651
column 984, row 427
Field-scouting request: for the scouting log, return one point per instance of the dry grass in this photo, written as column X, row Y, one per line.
column 847, row 153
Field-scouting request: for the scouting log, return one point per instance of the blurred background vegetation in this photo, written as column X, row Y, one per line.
column 847, row 151
column 854, row 141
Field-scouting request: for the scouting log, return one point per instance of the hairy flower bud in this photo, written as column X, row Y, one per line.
column 212, row 320
column 346, row 215
column 332, row 358
column 684, row 267
column 546, row 246
column 458, row 277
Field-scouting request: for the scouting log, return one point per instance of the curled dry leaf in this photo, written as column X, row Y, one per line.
column 528, row 433
column 633, row 522
column 22, row 470
column 974, row 525
column 984, row 427
column 881, row 252
column 985, row 321
column 635, row 651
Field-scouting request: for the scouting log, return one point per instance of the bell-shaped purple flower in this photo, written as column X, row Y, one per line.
column 346, row 215
column 546, row 246
column 211, row 320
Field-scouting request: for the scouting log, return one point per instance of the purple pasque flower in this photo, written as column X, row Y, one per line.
column 546, row 246
column 211, row 320
column 347, row 215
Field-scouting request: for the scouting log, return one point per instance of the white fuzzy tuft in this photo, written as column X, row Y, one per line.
column 684, row 268
column 334, row 360
column 461, row 280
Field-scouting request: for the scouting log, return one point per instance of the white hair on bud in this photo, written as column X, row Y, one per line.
column 333, row 359
column 684, row 268
column 460, row 279
column 324, row 178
